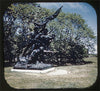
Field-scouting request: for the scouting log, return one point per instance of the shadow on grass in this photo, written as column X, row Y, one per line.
column 8, row 64
column 74, row 63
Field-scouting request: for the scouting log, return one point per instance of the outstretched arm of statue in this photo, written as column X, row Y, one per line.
column 54, row 15
column 47, row 19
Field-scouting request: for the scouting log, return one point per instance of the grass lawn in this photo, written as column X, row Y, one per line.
column 78, row 76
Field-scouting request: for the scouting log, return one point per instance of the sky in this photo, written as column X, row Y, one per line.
column 84, row 9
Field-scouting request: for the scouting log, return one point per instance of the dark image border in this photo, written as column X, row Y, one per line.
column 3, row 6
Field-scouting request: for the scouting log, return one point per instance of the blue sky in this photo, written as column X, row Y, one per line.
column 84, row 9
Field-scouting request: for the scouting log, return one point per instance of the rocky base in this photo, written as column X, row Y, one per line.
column 37, row 66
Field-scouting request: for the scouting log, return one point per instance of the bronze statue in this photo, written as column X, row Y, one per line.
column 39, row 42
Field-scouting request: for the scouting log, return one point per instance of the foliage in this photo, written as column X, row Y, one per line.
column 73, row 36
column 19, row 21
column 77, row 52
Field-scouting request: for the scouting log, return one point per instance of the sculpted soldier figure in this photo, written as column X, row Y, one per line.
column 39, row 41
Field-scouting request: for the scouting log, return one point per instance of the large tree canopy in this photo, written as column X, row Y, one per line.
column 70, row 29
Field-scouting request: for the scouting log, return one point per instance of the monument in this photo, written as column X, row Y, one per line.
column 33, row 55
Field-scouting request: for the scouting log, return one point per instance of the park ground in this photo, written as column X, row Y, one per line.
column 75, row 76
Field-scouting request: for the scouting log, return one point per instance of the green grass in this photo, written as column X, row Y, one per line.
column 80, row 76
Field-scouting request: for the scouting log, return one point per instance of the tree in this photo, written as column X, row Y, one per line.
column 69, row 28
column 77, row 30
column 8, row 41
column 19, row 22
column 77, row 52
